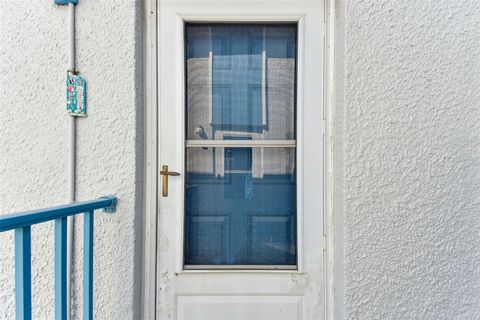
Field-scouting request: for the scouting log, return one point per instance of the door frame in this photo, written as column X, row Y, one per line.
column 151, row 166
column 180, row 18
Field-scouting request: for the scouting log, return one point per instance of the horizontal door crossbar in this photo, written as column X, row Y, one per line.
column 241, row 143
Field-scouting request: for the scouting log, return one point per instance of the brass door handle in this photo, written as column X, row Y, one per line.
column 165, row 173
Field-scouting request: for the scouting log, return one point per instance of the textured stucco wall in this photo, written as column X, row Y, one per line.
column 34, row 144
column 408, row 123
column 407, row 152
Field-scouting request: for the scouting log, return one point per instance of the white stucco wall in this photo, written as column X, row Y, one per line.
column 34, row 144
column 408, row 158
column 406, row 152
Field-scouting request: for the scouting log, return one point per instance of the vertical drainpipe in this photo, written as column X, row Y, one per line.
column 73, row 149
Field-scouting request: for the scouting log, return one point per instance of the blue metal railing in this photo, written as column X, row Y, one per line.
column 22, row 222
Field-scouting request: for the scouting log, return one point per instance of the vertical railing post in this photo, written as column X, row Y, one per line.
column 88, row 265
column 23, row 273
column 61, row 269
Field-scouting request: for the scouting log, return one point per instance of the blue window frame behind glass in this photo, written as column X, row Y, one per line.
column 240, row 202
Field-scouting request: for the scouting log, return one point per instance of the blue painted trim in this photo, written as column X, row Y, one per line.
column 88, row 266
column 65, row 2
column 27, row 218
column 23, row 274
column 61, row 269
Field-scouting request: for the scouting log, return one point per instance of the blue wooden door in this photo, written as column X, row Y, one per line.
column 240, row 199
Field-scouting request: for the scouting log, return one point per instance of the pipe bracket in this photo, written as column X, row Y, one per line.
column 65, row 2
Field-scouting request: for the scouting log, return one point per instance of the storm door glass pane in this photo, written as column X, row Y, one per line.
column 241, row 78
column 240, row 198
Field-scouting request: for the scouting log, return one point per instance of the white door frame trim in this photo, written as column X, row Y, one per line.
column 151, row 78
column 150, row 71
column 180, row 19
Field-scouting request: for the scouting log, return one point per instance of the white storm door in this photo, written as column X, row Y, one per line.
column 240, row 229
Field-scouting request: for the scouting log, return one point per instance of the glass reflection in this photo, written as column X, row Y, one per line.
column 241, row 79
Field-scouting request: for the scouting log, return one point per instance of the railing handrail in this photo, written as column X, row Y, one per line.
column 31, row 217
column 21, row 222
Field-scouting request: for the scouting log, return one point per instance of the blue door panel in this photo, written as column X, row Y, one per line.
column 254, row 222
